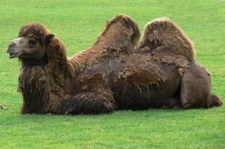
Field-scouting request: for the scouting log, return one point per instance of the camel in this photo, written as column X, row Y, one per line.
column 119, row 71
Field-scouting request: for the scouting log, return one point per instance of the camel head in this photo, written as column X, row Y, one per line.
column 31, row 42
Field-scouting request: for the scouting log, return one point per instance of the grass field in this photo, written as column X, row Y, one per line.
column 78, row 23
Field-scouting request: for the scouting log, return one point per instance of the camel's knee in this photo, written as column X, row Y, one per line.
column 86, row 103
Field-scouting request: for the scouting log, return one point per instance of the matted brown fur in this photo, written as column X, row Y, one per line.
column 114, row 73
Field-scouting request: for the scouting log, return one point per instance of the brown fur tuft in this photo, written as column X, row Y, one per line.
column 35, row 29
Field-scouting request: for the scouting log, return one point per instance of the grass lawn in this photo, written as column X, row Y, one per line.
column 78, row 23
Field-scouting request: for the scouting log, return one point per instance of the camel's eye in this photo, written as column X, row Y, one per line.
column 32, row 41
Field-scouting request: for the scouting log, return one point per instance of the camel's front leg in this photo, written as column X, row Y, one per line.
column 87, row 103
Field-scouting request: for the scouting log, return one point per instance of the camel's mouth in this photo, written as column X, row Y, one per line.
column 13, row 54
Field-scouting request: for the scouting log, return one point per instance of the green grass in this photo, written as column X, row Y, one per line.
column 78, row 23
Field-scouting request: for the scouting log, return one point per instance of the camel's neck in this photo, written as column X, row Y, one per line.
column 33, row 85
column 41, row 87
column 30, row 62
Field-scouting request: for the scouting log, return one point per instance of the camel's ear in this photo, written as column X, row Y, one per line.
column 48, row 39
column 47, row 42
column 55, row 50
